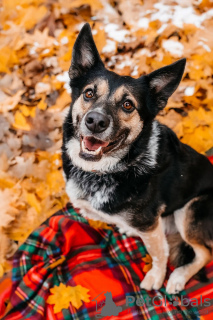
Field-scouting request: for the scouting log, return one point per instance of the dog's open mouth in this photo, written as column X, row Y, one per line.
column 92, row 145
column 93, row 149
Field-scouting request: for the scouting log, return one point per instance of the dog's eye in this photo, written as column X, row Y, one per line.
column 88, row 93
column 128, row 106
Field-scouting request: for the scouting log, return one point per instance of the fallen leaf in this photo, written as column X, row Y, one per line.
column 10, row 102
column 33, row 201
column 21, row 122
column 63, row 295
column 148, row 263
column 96, row 224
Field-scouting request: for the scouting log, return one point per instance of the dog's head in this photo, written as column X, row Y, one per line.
column 108, row 111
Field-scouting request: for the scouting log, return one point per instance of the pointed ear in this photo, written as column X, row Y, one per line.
column 85, row 54
column 163, row 82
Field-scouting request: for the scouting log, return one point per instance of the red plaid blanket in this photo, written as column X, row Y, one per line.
column 95, row 273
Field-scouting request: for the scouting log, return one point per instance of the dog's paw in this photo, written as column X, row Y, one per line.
column 176, row 282
column 153, row 280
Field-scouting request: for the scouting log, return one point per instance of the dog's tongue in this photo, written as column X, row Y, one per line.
column 93, row 144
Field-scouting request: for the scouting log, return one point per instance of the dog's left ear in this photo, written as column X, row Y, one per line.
column 85, row 54
column 162, row 83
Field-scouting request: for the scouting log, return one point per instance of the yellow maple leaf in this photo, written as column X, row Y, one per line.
column 28, row 111
column 21, row 122
column 6, row 181
column 33, row 201
column 42, row 190
column 55, row 180
column 25, row 110
column 7, row 59
column 30, row 15
column 63, row 295
column 42, row 105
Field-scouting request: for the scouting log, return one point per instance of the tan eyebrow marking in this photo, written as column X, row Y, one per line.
column 121, row 91
column 132, row 120
column 102, row 86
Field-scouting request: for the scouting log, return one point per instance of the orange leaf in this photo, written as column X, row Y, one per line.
column 147, row 267
column 147, row 259
column 96, row 224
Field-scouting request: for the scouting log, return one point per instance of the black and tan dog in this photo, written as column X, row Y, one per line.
column 123, row 167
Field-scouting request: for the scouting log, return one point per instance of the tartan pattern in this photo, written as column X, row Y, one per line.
column 98, row 259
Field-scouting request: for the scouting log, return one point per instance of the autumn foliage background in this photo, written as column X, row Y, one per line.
column 133, row 37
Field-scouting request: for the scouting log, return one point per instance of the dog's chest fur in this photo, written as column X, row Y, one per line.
column 91, row 194
column 97, row 190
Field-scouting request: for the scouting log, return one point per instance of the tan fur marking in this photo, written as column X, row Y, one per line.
column 157, row 246
column 102, row 87
column 174, row 241
column 78, row 110
column 118, row 94
column 134, row 124
column 192, row 230
column 160, row 211
column 131, row 120
column 184, row 220
column 180, row 276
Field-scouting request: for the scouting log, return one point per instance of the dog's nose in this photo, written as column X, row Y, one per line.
column 96, row 122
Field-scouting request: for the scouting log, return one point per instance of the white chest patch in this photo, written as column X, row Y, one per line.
column 97, row 199
column 73, row 191
column 89, row 209
column 101, row 196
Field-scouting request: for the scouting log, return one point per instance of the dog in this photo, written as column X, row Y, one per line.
column 123, row 167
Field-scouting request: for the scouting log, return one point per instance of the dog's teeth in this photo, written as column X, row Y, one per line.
column 82, row 145
column 96, row 152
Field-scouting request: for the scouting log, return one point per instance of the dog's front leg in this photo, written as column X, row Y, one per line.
column 157, row 246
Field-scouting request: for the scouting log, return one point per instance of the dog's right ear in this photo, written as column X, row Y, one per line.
column 85, row 54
